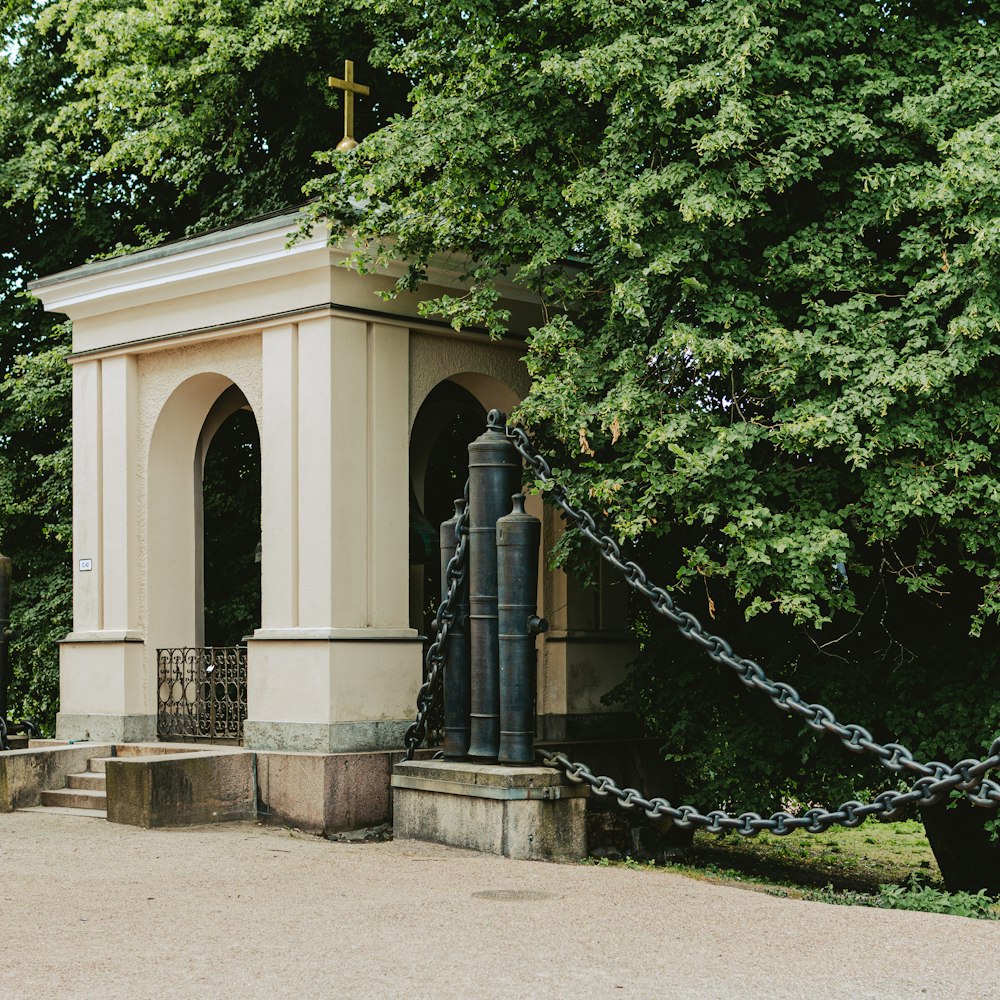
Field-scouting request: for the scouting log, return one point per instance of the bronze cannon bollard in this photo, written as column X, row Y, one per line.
column 494, row 474
column 518, row 537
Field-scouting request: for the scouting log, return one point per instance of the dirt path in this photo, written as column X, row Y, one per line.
column 98, row 911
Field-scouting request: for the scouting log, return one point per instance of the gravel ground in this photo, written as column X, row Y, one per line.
column 89, row 909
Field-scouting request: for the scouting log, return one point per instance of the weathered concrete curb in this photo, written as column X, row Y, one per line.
column 182, row 789
column 529, row 813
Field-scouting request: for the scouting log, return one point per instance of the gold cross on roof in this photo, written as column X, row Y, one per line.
column 350, row 88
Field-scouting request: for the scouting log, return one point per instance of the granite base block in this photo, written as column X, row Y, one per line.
column 530, row 813
column 106, row 728
column 181, row 789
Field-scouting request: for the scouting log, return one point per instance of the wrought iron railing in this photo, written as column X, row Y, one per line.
column 201, row 692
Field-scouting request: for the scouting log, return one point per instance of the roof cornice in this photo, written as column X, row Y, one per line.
column 254, row 251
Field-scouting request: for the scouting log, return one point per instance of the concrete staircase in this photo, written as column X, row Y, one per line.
column 84, row 794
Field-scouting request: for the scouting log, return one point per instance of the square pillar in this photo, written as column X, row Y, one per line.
column 335, row 666
column 102, row 685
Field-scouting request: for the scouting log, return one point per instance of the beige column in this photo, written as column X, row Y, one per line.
column 389, row 510
column 120, row 476
column 279, row 502
column 88, row 496
column 335, row 665
column 104, row 693
column 333, row 474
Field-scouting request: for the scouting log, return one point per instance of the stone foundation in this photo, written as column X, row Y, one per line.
column 25, row 774
column 181, row 789
column 531, row 813
column 326, row 793
column 517, row 812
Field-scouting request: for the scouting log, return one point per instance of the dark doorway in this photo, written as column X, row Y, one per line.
column 231, row 498
column 448, row 420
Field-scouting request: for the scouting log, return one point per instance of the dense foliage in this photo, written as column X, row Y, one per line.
column 765, row 234
column 774, row 368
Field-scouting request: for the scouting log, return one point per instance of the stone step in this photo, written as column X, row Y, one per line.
column 63, row 811
column 97, row 781
column 74, row 798
column 98, row 765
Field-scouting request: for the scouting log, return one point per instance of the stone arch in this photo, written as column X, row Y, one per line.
column 183, row 430
column 492, row 371
column 449, row 417
column 488, row 390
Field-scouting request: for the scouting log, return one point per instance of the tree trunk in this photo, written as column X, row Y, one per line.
column 968, row 860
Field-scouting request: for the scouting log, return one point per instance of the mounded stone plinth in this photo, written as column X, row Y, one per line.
column 531, row 813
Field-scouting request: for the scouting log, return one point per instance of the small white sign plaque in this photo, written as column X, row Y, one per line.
column 86, row 565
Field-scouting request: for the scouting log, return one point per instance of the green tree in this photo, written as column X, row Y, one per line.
column 123, row 124
column 765, row 235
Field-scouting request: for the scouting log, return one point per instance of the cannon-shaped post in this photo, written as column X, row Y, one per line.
column 494, row 474
column 518, row 538
column 6, row 570
column 456, row 669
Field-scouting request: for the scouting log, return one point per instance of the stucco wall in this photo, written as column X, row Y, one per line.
column 161, row 373
column 502, row 377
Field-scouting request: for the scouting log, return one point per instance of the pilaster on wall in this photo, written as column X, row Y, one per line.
column 335, row 506
column 333, row 478
column 389, row 488
column 586, row 652
column 103, row 693
column 88, row 497
column 334, row 664
column 119, row 457
column 105, row 542
column 279, row 503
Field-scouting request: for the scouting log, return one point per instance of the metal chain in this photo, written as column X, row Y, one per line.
column 967, row 776
column 887, row 805
column 435, row 659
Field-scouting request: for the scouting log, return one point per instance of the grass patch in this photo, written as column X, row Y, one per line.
column 858, row 860
column 889, row 865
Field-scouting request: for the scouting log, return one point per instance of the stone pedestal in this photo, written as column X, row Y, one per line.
column 531, row 813
column 104, row 688
column 349, row 690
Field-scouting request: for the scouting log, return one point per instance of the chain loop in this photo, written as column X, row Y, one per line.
column 934, row 779
column 435, row 658
column 887, row 805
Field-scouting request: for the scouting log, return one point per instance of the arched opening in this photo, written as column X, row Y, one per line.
column 203, row 532
column 231, row 530
column 448, row 419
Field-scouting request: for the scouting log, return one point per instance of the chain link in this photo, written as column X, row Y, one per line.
column 887, row 805
column 435, row 658
column 934, row 779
